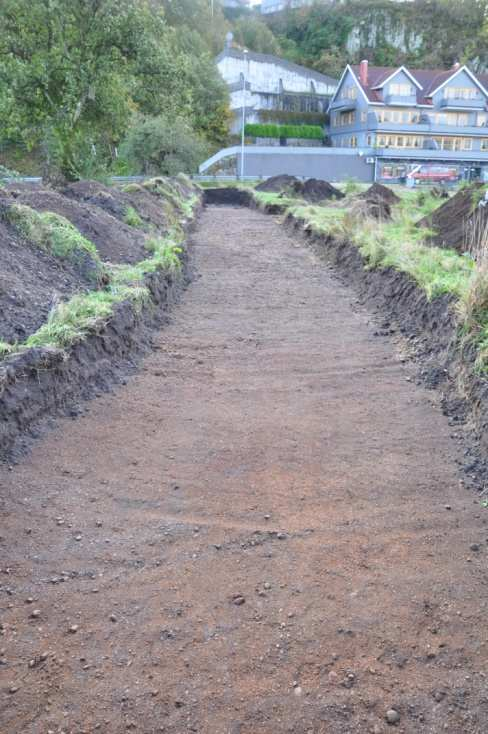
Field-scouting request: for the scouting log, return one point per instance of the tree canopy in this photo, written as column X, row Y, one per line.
column 73, row 73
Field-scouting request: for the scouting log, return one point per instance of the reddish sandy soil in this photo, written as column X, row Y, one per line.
column 251, row 536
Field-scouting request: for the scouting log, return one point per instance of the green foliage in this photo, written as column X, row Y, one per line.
column 73, row 74
column 251, row 32
column 259, row 130
column 164, row 145
column 132, row 218
column 58, row 236
column 423, row 34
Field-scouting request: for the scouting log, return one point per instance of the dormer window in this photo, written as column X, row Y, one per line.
column 401, row 90
column 460, row 93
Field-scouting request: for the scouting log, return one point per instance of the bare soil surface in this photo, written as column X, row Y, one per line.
column 261, row 532
column 32, row 281
column 116, row 242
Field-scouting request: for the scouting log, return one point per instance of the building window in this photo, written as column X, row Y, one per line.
column 364, row 116
column 452, row 118
column 460, row 93
column 398, row 116
column 482, row 119
column 370, row 140
column 347, row 118
column 401, row 90
column 484, row 143
column 354, row 141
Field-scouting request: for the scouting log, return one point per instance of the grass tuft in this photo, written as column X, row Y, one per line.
column 132, row 218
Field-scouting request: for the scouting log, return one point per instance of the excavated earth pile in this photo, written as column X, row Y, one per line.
column 116, row 241
column 118, row 202
column 32, row 281
column 275, row 184
column 377, row 201
column 454, row 223
column 54, row 247
column 315, row 190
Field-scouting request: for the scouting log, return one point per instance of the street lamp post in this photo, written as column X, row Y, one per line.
column 243, row 113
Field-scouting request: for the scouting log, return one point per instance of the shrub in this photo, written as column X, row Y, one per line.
column 260, row 130
column 164, row 146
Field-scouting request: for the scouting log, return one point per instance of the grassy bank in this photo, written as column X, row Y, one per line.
column 398, row 243
column 84, row 313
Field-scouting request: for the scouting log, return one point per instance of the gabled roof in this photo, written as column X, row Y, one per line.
column 427, row 81
column 236, row 53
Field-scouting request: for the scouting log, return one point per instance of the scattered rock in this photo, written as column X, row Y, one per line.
column 392, row 716
column 238, row 599
column 72, row 629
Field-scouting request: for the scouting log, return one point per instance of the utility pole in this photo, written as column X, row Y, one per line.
column 244, row 81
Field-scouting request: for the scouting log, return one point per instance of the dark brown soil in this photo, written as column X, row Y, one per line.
column 453, row 221
column 116, row 242
column 376, row 201
column 261, row 533
column 315, row 190
column 282, row 182
column 31, row 282
column 116, row 202
column 381, row 193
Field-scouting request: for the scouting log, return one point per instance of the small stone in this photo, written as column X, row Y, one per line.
column 77, row 537
column 267, row 517
column 113, row 618
column 448, row 507
column 297, row 691
column 238, row 600
column 474, row 547
column 29, row 600
column 392, row 716
column 35, row 613
column 72, row 629
column 99, row 523
column 13, row 689
column 281, row 536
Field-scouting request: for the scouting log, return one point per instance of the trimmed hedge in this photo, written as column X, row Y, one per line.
column 259, row 130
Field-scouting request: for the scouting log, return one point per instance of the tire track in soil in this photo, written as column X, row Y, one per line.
column 270, row 448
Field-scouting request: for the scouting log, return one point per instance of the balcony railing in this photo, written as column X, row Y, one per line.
column 456, row 102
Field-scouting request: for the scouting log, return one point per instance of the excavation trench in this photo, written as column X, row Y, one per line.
column 262, row 531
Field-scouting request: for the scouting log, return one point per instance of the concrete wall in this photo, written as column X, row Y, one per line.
column 328, row 164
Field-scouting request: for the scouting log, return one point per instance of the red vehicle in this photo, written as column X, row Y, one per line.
column 434, row 174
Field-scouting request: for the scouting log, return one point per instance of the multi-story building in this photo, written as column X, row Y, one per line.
column 408, row 117
column 267, row 84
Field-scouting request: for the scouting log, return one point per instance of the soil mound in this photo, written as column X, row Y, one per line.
column 379, row 192
column 377, row 201
column 453, row 222
column 119, row 203
column 278, row 183
column 116, row 241
column 31, row 282
column 315, row 190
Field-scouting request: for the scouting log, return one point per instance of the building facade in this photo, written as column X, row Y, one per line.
column 409, row 118
column 272, row 85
